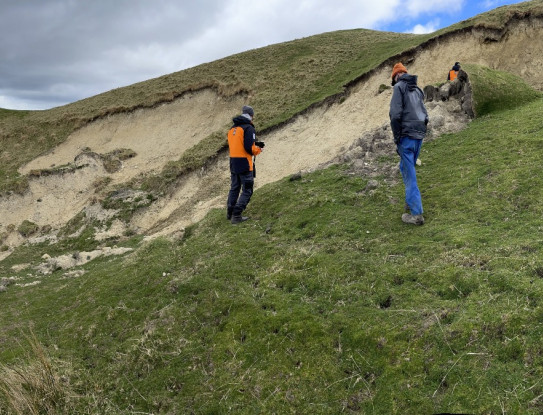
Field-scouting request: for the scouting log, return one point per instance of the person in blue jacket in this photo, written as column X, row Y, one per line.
column 408, row 121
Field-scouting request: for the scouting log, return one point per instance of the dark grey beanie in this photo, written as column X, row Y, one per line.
column 247, row 110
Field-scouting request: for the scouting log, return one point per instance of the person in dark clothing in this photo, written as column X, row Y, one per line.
column 453, row 73
column 243, row 146
column 408, row 121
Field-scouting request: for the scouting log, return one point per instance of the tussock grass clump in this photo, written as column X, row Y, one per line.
column 35, row 386
column 28, row 228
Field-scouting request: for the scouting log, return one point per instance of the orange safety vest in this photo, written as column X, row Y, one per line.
column 237, row 150
column 452, row 75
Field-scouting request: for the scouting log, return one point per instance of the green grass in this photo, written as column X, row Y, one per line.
column 325, row 302
column 498, row 90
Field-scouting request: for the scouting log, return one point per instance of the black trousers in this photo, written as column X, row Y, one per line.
column 243, row 182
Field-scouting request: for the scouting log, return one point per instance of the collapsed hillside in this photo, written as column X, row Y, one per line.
column 74, row 177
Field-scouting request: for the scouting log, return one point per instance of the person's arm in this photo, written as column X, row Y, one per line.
column 396, row 110
column 249, row 138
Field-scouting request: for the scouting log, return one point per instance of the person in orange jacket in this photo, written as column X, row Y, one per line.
column 453, row 73
column 243, row 146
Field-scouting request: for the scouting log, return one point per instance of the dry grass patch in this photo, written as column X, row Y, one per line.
column 35, row 385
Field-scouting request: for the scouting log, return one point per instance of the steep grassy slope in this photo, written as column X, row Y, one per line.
column 323, row 303
column 317, row 66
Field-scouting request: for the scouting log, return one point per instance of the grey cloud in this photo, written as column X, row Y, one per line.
column 58, row 45
column 60, row 51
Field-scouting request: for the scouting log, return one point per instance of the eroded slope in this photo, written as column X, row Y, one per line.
column 317, row 136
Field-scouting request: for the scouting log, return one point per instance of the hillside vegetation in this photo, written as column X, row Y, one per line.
column 324, row 302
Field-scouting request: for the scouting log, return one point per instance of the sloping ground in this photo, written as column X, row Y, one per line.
column 308, row 142
column 162, row 134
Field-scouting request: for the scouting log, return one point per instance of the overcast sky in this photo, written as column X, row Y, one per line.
column 53, row 52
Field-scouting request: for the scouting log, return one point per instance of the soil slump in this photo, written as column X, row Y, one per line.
column 310, row 140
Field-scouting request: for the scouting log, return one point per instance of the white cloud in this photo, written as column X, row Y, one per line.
column 266, row 22
column 241, row 27
column 10, row 102
column 429, row 27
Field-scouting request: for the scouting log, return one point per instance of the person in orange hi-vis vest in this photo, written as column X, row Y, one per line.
column 243, row 147
column 453, row 73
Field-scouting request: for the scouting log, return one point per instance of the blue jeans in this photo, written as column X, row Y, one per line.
column 409, row 150
column 236, row 203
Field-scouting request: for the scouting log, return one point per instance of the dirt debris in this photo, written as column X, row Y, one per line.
column 65, row 262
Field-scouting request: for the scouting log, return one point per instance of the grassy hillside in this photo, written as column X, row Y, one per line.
column 325, row 302
column 280, row 80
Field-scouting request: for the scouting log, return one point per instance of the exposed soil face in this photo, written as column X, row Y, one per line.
column 327, row 135
column 310, row 140
column 156, row 135
column 519, row 51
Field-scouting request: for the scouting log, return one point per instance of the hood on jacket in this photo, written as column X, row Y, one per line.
column 241, row 120
column 410, row 80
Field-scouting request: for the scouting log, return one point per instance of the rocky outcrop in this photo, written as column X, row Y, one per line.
column 449, row 109
column 460, row 89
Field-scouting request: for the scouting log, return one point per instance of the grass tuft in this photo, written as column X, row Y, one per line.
column 34, row 386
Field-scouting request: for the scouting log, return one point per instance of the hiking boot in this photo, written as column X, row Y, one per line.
column 228, row 214
column 412, row 219
column 238, row 219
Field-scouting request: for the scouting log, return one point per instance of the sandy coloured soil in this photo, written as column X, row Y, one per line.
column 157, row 135
column 162, row 134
